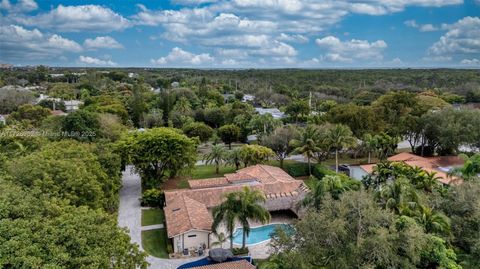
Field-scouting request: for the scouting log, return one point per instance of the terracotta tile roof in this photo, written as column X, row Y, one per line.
column 429, row 164
column 207, row 193
column 184, row 214
column 206, row 183
column 241, row 264
column 57, row 113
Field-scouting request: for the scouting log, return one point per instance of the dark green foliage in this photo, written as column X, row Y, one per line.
column 240, row 251
column 229, row 134
column 153, row 198
column 81, row 125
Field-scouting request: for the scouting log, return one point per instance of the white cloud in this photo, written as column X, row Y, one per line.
column 437, row 59
column 177, row 56
column 76, row 19
column 20, row 43
column 102, row 42
column 422, row 27
column 348, row 51
column 463, row 37
column 20, row 6
column 95, row 61
column 473, row 61
column 292, row 38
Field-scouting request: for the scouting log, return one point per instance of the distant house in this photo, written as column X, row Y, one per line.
column 175, row 84
column 188, row 212
column 44, row 97
column 132, row 75
column 275, row 112
column 228, row 96
column 72, row 105
column 441, row 165
column 248, row 98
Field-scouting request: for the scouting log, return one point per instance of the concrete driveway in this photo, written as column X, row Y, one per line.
column 129, row 216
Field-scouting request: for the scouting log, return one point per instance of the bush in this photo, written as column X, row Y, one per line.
column 153, row 198
column 296, row 169
column 240, row 251
column 319, row 171
column 169, row 248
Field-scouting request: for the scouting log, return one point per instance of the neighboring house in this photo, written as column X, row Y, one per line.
column 188, row 212
column 175, row 84
column 228, row 96
column 3, row 120
column 248, row 98
column 72, row 105
column 275, row 112
column 43, row 97
column 132, row 75
column 441, row 165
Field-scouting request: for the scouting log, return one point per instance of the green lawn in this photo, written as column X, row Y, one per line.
column 152, row 216
column 208, row 171
column 155, row 242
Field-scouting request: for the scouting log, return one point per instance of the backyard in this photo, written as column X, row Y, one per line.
column 155, row 240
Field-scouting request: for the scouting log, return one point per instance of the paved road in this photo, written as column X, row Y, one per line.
column 129, row 216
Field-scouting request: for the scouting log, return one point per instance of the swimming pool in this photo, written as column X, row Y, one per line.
column 259, row 234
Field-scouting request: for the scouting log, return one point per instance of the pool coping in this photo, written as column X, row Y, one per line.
column 261, row 242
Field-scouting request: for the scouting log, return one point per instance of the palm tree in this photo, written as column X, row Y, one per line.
column 369, row 145
column 339, row 137
column 398, row 197
column 328, row 184
column 428, row 180
column 241, row 206
column 234, row 157
column 217, row 156
column 433, row 222
column 307, row 145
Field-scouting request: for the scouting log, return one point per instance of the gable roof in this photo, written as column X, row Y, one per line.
column 185, row 214
column 207, row 193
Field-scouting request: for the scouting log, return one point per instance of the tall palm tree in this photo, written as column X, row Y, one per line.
column 306, row 144
column 433, row 222
column 398, row 197
column 227, row 213
column 328, row 184
column 234, row 157
column 221, row 239
column 369, row 145
column 241, row 206
column 340, row 137
column 216, row 156
column 428, row 181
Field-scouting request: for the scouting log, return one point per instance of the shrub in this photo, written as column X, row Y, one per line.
column 296, row 169
column 240, row 251
column 153, row 198
column 319, row 171
column 169, row 248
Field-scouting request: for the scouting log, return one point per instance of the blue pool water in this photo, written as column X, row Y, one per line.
column 259, row 234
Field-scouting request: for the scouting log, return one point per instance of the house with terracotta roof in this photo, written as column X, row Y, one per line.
column 188, row 212
column 241, row 264
column 441, row 165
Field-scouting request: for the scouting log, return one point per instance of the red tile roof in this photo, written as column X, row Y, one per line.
column 429, row 164
column 208, row 193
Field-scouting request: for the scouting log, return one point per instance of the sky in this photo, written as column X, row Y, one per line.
column 241, row 33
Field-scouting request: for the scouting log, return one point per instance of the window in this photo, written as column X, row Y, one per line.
column 192, row 235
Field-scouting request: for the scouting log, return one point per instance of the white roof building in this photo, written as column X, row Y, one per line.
column 72, row 105
column 248, row 98
column 275, row 112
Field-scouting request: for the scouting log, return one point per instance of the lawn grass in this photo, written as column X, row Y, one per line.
column 208, row 171
column 152, row 216
column 155, row 242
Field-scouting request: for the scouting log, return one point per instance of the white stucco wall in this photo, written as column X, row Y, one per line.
column 191, row 239
column 356, row 172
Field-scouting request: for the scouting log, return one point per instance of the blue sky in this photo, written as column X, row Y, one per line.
column 242, row 33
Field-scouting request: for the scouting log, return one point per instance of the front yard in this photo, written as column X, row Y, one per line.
column 152, row 216
column 155, row 242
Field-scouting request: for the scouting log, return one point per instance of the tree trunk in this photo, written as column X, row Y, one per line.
column 369, row 157
column 229, row 145
column 217, row 167
column 309, row 167
column 244, row 238
column 336, row 160
column 231, row 240
column 281, row 163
